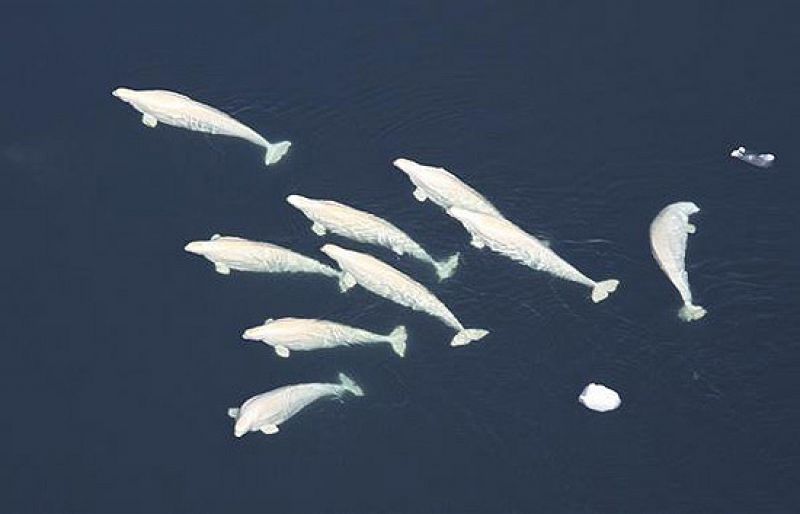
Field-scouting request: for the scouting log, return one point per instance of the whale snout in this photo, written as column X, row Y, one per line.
column 123, row 93
column 195, row 247
column 405, row 165
column 297, row 201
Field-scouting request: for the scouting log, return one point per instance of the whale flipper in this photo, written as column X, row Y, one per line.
column 346, row 281
column 222, row 269
column 690, row 229
column 420, row 195
column 282, row 351
column 270, row 429
column 318, row 229
column 149, row 120
column 477, row 243
column 233, row 412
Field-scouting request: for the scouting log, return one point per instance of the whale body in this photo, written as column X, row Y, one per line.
column 378, row 277
column 443, row 188
column 669, row 233
column 600, row 398
column 267, row 411
column 364, row 227
column 297, row 334
column 507, row 239
column 234, row 253
column 177, row 110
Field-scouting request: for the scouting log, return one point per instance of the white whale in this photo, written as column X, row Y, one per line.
column 599, row 398
column 267, row 411
column 234, row 253
column 505, row 238
column 297, row 334
column 759, row 160
column 383, row 280
column 669, row 232
column 364, row 227
column 443, row 188
column 181, row 111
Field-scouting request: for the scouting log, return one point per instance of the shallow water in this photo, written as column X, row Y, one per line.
column 122, row 352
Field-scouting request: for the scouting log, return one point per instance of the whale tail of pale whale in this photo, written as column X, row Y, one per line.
column 468, row 335
column 275, row 151
column 601, row 290
column 691, row 312
column 349, row 385
column 398, row 340
column 447, row 267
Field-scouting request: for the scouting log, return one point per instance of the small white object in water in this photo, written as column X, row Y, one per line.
column 599, row 398
column 759, row 160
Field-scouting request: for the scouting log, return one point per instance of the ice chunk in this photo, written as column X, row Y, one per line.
column 599, row 398
column 759, row 160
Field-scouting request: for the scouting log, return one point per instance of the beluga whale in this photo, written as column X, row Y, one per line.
column 669, row 233
column 177, row 110
column 507, row 239
column 383, row 280
column 363, row 227
column 297, row 334
column 443, row 188
column 234, row 253
column 267, row 411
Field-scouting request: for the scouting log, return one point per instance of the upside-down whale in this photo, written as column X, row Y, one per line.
column 298, row 334
column 364, row 227
column 383, row 280
column 669, row 233
column 267, row 411
column 234, row 253
column 157, row 105
column 505, row 238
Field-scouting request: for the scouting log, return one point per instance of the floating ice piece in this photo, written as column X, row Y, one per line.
column 505, row 238
column 341, row 219
column 298, row 334
column 669, row 233
column 181, row 111
column 267, row 411
column 383, row 280
column 600, row 398
column 759, row 160
column 234, row 253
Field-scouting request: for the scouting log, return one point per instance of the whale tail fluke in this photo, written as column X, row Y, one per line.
column 447, row 267
column 398, row 340
column 275, row 151
column 602, row 289
column 350, row 385
column 691, row 312
column 468, row 335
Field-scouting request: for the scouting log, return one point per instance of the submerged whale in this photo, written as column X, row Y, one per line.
column 383, row 280
column 174, row 109
column 669, row 232
column 505, row 238
column 364, row 227
column 297, row 334
column 443, row 188
column 267, row 411
column 234, row 253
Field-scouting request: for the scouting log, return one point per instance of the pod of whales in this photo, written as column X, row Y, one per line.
column 178, row 110
column 265, row 412
column 669, row 232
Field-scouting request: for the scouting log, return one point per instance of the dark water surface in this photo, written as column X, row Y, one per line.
column 580, row 121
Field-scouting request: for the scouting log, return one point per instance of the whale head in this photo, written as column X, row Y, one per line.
column 253, row 334
column 241, row 427
column 197, row 247
column 299, row 202
column 407, row 166
column 688, row 208
column 124, row 94
column 334, row 252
